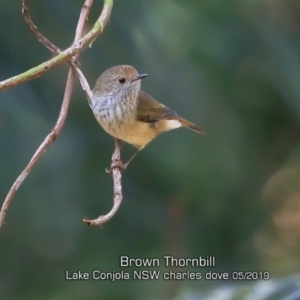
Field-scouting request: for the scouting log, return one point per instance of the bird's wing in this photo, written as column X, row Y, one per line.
column 150, row 110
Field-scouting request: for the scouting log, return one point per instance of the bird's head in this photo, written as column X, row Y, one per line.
column 120, row 80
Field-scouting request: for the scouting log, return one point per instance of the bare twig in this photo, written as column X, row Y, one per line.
column 48, row 44
column 42, row 39
column 78, row 46
column 116, row 174
column 117, row 179
column 51, row 137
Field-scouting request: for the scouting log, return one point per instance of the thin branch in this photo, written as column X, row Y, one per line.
column 51, row 137
column 117, row 180
column 116, row 174
column 42, row 39
column 48, row 44
column 77, row 47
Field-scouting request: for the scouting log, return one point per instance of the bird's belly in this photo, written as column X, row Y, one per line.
column 127, row 128
column 135, row 133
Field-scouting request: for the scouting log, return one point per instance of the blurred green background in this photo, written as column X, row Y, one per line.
column 233, row 68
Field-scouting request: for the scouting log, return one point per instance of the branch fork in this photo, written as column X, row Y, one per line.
column 71, row 56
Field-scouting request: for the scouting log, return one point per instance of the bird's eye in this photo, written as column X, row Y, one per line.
column 122, row 80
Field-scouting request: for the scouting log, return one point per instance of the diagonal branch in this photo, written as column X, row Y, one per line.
column 48, row 44
column 51, row 137
column 116, row 173
column 42, row 39
column 77, row 47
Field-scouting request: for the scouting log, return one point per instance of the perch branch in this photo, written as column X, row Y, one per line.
column 51, row 137
column 117, row 179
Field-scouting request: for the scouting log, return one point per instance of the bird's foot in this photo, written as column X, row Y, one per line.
column 116, row 164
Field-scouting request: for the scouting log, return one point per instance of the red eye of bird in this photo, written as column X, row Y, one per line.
column 122, row 80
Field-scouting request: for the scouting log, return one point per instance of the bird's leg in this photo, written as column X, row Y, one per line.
column 129, row 161
column 119, row 164
column 116, row 160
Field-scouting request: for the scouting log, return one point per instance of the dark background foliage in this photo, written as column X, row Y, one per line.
column 232, row 67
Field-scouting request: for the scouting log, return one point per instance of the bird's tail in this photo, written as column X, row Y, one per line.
column 190, row 125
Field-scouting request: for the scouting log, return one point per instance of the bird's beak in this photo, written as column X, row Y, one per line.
column 140, row 76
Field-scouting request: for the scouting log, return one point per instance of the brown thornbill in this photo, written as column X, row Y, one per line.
column 127, row 113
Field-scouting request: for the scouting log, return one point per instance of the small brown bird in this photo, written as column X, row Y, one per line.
column 127, row 113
